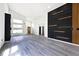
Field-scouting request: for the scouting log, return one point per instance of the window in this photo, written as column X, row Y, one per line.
column 18, row 31
column 17, row 26
column 17, row 21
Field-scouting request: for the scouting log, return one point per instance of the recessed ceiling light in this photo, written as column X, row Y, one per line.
column 49, row 7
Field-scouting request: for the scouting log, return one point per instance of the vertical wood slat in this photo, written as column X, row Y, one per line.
column 74, row 22
column 78, row 25
column 78, row 15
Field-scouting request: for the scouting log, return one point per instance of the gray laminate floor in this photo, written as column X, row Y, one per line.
column 32, row 45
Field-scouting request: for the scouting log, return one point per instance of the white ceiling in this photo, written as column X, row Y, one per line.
column 33, row 9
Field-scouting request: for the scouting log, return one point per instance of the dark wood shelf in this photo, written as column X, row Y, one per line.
column 59, row 31
column 52, row 25
column 62, row 37
column 58, row 12
column 69, row 27
column 64, row 18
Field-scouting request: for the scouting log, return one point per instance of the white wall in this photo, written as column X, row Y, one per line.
column 40, row 21
column 2, row 15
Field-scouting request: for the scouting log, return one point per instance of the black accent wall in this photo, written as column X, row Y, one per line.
column 60, row 23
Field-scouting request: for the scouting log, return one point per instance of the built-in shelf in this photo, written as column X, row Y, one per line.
column 58, row 12
column 59, row 31
column 60, row 37
column 60, row 23
column 52, row 25
column 64, row 18
column 69, row 27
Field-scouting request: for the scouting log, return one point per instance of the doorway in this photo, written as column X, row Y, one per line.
column 7, row 27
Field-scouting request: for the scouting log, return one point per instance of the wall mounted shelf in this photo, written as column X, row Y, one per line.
column 61, row 30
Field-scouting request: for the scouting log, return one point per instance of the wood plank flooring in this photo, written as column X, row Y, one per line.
column 32, row 45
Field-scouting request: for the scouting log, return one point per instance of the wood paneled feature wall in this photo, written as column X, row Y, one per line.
column 63, row 23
